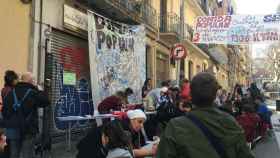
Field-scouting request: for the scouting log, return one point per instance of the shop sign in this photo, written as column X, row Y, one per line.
column 75, row 18
column 178, row 52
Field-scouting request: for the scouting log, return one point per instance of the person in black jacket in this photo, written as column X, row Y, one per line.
column 21, row 116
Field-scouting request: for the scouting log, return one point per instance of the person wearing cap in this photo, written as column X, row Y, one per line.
column 154, row 97
column 134, row 124
column 91, row 145
column 206, row 131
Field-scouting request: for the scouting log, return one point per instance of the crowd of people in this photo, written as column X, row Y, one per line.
column 21, row 97
column 196, row 119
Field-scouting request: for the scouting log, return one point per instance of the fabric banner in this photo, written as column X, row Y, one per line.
column 237, row 29
column 117, row 57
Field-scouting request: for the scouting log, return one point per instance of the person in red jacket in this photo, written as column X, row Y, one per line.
column 185, row 91
column 249, row 121
column 115, row 102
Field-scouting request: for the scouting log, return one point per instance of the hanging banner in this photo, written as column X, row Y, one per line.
column 117, row 57
column 237, row 29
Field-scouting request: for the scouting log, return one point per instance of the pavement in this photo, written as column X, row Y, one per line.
column 267, row 148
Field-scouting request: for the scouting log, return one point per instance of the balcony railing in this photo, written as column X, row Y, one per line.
column 204, row 6
column 149, row 15
column 188, row 32
column 169, row 23
column 145, row 12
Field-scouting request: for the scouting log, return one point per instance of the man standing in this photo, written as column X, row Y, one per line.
column 205, row 131
column 21, row 116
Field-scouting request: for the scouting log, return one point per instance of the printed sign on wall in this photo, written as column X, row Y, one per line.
column 237, row 29
column 117, row 57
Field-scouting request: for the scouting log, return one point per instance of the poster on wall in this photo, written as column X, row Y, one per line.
column 237, row 29
column 117, row 57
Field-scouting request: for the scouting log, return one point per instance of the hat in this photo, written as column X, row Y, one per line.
column 132, row 114
column 164, row 89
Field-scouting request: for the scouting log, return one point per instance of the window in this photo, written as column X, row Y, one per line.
column 149, row 62
column 182, row 69
column 204, row 67
column 198, row 68
column 162, row 67
column 190, row 70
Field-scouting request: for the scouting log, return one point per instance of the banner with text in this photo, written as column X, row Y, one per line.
column 237, row 29
column 117, row 57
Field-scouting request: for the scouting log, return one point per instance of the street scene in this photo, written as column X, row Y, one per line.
column 140, row 79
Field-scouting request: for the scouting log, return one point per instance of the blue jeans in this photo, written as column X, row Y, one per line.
column 22, row 148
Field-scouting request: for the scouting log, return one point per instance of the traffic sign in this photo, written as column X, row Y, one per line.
column 178, row 52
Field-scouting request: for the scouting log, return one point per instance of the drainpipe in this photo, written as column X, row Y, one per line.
column 182, row 19
column 40, row 42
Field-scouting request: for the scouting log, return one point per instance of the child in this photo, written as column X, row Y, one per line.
column 116, row 140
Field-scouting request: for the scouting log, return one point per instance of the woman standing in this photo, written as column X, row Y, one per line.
column 146, row 87
column 11, row 79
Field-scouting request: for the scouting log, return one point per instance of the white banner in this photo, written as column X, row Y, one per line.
column 237, row 29
column 117, row 57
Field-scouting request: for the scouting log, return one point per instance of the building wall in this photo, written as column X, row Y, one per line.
column 15, row 33
column 195, row 56
column 190, row 13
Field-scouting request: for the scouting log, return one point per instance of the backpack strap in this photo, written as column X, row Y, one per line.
column 216, row 144
column 18, row 103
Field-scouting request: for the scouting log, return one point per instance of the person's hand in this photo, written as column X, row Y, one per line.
column 40, row 88
column 154, row 149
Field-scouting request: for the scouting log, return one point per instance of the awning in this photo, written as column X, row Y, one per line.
column 219, row 55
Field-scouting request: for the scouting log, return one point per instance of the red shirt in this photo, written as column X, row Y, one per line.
column 186, row 92
column 110, row 103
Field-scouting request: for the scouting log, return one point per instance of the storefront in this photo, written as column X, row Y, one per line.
column 67, row 70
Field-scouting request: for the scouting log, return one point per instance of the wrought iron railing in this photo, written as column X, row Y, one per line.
column 169, row 22
column 149, row 15
column 188, row 32
column 145, row 12
column 203, row 6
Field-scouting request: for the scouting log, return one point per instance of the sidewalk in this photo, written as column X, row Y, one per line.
column 267, row 148
column 60, row 151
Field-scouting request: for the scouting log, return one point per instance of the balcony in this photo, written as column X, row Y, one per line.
column 126, row 11
column 204, row 6
column 188, row 32
column 169, row 28
column 149, row 15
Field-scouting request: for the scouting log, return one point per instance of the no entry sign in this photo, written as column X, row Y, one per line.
column 178, row 52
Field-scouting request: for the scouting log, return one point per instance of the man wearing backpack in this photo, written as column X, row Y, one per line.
column 205, row 131
column 21, row 117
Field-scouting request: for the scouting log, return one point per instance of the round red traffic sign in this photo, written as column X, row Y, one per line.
column 178, row 52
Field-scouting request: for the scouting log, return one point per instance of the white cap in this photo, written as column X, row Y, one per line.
column 164, row 89
column 132, row 114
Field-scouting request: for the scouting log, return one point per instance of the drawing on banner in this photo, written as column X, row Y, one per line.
column 74, row 98
column 118, row 57
column 237, row 29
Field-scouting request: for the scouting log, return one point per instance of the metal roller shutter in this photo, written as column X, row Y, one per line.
column 68, row 59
